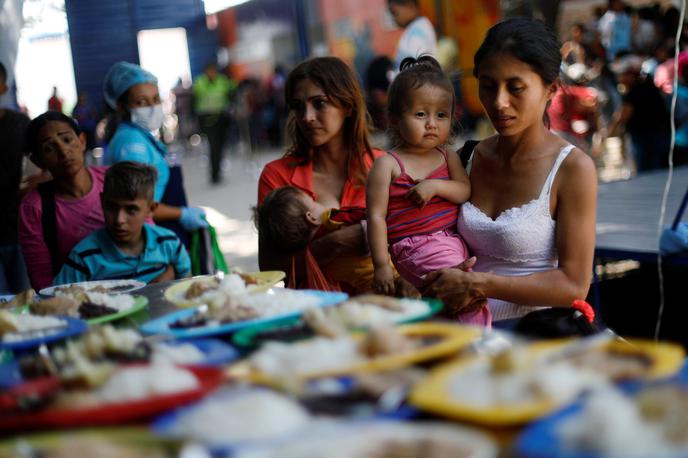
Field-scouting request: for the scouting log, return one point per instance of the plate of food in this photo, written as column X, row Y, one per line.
column 356, row 313
column 240, row 311
column 234, row 417
column 200, row 290
column 382, row 439
column 378, row 350
column 125, row 393
column 646, row 421
column 524, row 383
column 124, row 442
column 25, row 331
column 102, row 348
column 93, row 307
column 96, row 286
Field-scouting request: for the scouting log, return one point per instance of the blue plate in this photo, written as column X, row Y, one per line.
column 161, row 325
column 540, row 440
column 74, row 327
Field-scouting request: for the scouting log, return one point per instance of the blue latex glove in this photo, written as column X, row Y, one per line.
column 192, row 218
column 674, row 241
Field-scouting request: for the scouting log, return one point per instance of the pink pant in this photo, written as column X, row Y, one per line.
column 418, row 255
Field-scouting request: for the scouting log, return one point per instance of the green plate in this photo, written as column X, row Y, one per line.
column 247, row 337
column 140, row 302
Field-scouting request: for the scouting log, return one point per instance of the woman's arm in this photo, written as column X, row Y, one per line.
column 377, row 198
column 456, row 190
column 575, row 243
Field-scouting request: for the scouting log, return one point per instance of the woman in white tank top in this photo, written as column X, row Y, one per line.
column 530, row 221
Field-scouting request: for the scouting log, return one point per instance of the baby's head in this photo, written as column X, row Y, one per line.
column 127, row 199
column 56, row 144
column 287, row 219
column 421, row 87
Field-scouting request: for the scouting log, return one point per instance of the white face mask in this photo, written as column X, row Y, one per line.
column 148, row 118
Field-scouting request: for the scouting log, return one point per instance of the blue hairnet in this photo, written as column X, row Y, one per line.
column 121, row 77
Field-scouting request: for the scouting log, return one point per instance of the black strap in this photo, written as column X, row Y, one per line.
column 466, row 151
column 49, row 222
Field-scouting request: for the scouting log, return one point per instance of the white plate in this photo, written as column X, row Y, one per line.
column 118, row 286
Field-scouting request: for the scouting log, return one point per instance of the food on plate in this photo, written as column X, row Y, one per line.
column 234, row 308
column 382, row 440
column 651, row 422
column 199, row 287
column 617, row 365
column 17, row 327
column 97, row 286
column 88, row 361
column 76, row 302
column 363, row 311
column 320, row 354
column 241, row 415
column 511, row 378
column 386, row 341
column 18, row 300
column 62, row 305
column 139, row 382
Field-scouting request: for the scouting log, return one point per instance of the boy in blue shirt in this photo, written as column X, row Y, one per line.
column 127, row 247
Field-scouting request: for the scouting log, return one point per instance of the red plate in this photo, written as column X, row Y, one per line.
column 119, row 413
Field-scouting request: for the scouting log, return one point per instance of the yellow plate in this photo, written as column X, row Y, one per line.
column 433, row 393
column 138, row 438
column 665, row 358
column 265, row 281
column 453, row 338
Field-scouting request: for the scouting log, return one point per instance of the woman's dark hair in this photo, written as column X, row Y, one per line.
column 129, row 180
column 415, row 73
column 340, row 85
column 39, row 122
column 527, row 40
column 281, row 221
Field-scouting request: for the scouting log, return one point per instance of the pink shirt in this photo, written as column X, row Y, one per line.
column 76, row 218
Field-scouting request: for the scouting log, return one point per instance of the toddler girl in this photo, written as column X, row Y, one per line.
column 413, row 192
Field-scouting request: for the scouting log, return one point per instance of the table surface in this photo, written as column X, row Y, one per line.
column 628, row 213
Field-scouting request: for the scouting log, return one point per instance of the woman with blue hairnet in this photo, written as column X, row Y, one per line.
column 133, row 93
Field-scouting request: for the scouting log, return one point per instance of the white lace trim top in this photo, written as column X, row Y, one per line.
column 520, row 241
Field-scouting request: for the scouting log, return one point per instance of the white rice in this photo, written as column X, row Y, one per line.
column 315, row 355
column 177, row 354
column 28, row 322
column 353, row 314
column 245, row 415
column 610, row 424
column 160, row 378
column 476, row 386
column 120, row 302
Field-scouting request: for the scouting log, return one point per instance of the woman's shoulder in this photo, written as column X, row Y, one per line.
column 98, row 171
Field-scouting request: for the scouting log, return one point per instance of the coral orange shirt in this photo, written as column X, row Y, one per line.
column 287, row 171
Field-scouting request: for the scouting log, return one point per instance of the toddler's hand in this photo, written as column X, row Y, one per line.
column 421, row 193
column 192, row 218
column 383, row 282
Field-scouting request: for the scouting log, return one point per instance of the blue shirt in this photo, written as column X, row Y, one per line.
column 97, row 257
column 131, row 143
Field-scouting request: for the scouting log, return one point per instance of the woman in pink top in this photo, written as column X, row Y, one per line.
column 47, row 237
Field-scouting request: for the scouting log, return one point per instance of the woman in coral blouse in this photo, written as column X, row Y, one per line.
column 329, row 159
